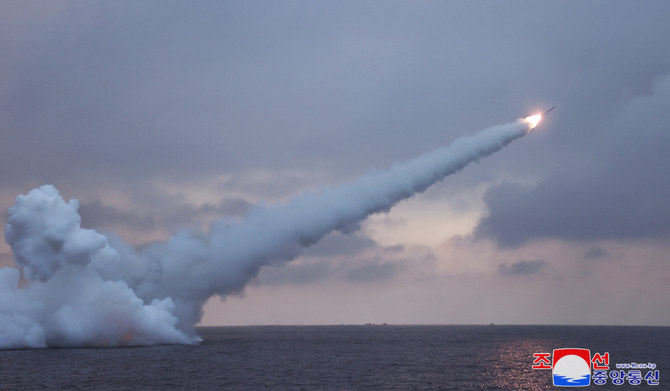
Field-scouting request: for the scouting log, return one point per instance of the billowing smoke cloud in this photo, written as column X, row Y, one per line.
column 87, row 289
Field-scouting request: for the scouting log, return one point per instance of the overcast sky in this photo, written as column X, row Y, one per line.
column 159, row 115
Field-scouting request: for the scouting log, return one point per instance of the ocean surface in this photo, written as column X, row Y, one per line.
column 372, row 357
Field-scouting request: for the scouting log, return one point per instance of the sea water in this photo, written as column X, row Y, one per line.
column 373, row 357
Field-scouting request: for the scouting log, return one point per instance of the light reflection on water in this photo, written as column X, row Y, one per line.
column 512, row 365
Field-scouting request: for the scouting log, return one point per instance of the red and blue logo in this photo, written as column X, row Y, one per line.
column 571, row 367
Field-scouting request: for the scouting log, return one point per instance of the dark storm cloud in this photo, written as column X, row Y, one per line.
column 522, row 267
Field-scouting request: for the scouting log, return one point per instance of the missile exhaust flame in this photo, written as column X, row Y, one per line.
column 533, row 120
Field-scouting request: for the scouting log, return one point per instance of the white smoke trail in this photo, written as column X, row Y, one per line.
column 87, row 289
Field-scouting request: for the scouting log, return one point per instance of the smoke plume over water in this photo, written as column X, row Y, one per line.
column 88, row 289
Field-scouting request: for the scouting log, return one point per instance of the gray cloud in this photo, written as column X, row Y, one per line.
column 617, row 191
column 357, row 271
column 354, row 258
column 337, row 243
column 168, row 215
column 296, row 273
column 596, row 253
column 95, row 214
column 269, row 185
column 522, row 267
column 372, row 271
column 167, row 90
column 186, row 214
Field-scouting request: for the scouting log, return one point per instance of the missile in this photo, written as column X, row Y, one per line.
column 552, row 107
